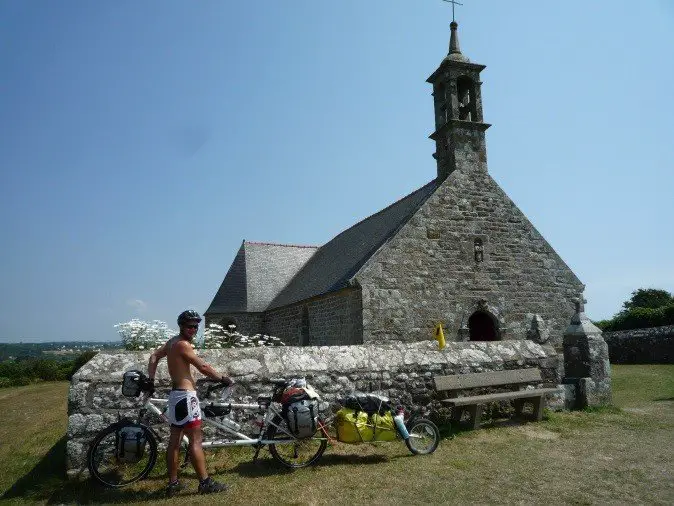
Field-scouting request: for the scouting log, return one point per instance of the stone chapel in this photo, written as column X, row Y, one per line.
column 456, row 251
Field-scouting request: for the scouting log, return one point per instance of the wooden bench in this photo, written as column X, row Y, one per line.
column 518, row 378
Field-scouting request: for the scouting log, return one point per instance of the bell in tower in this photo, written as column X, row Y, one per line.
column 459, row 128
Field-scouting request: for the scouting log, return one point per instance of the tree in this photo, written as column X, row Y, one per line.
column 648, row 298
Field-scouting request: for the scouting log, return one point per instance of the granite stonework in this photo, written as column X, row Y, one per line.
column 586, row 362
column 462, row 250
column 641, row 346
column 404, row 372
column 427, row 273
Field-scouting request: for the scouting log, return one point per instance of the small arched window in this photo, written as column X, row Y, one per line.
column 478, row 248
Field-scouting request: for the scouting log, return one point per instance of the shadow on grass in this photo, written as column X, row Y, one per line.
column 662, row 399
column 269, row 467
column 47, row 482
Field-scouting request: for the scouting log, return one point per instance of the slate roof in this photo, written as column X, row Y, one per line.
column 336, row 262
column 257, row 274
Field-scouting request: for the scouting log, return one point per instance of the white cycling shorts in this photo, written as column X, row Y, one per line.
column 183, row 409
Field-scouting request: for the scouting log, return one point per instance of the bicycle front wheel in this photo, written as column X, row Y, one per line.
column 424, row 437
column 298, row 452
column 121, row 454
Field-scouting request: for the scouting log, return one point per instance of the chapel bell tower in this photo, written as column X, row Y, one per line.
column 459, row 127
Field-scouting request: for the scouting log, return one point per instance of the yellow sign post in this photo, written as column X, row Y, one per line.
column 440, row 335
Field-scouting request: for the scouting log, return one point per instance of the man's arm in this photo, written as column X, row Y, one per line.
column 156, row 356
column 202, row 366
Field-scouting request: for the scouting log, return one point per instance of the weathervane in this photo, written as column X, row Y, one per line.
column 453, row 4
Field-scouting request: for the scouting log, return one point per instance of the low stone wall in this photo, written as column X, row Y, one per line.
column 404, row 372
column 641, row 346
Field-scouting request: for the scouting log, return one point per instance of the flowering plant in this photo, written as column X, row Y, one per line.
column 140, row 335
column 216, row 336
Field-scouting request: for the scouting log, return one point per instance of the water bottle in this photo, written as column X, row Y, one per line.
column 399, row 420
column 230, row 424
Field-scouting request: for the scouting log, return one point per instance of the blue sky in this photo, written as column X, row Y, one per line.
column 141, row 142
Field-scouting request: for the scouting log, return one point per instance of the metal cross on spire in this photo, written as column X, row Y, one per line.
column 453, row 4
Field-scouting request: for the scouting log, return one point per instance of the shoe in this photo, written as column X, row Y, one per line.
column 211, row 486
column 174, row 489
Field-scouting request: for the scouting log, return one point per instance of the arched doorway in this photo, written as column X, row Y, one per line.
column 482, row 327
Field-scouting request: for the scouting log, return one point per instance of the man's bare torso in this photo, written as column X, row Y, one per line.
column 178, row 366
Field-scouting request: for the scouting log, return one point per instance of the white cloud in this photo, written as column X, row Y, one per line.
column 139, row 305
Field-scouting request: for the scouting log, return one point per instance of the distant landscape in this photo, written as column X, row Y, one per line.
column 61, row 350
column 25, row 363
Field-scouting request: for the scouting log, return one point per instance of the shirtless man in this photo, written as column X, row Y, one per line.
column 184, row 413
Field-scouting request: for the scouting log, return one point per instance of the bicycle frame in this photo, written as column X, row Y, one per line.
column 241, row 439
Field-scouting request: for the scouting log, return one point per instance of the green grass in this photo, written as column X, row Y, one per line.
column 620, row 454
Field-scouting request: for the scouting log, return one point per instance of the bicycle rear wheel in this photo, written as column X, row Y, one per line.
column 424, row 437
column 113, row 466
column 299, row 452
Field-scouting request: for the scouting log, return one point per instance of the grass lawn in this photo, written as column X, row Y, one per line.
column 615, row 455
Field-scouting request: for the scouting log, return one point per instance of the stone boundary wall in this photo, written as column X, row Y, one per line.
column 404, row 372
column 641, row 346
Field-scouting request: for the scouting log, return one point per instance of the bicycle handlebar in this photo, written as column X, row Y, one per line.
column 227, row 389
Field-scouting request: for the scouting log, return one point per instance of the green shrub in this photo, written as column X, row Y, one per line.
column 25, row 371
column 639, row 318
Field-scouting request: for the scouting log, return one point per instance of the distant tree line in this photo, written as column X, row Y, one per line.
column 28, row 370
column 647, row 307
column 60, row 350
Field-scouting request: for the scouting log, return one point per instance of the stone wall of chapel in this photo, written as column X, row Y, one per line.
column 333, row 319
column 427, row 272
column 246, row 323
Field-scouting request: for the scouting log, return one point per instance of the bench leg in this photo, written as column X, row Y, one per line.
column 456, row 414
column 475, row 415
column 538, row 408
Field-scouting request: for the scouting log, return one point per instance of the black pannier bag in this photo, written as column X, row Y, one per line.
column 302, row 417
column 300, row 411
column 213, row 411
column 368, row 403
column 133, row 383
column 131, row 444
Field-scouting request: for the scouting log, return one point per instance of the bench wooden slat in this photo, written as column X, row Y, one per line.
column 487, row 379
column 480, row 399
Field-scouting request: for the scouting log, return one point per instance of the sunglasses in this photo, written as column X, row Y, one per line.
column 194, row 326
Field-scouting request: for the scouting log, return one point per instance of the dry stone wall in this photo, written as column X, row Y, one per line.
column 404, row 372
column 641, row 346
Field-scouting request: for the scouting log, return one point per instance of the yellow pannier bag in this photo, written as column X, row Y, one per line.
column 384, row 427
column 352, row 427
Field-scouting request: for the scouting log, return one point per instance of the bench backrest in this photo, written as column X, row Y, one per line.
column 487, row 379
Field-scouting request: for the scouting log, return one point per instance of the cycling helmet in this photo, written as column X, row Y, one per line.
column 188, row 316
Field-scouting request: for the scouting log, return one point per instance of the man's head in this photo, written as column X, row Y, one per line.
column 188, row 321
